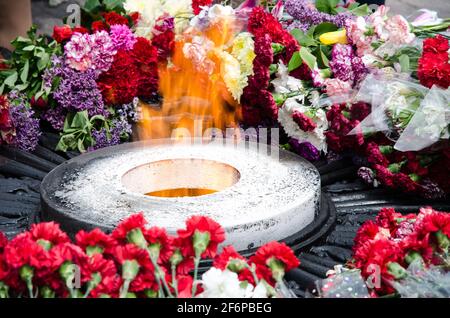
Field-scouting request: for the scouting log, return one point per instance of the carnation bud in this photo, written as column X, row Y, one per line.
column 4, row 291
column 201, row 241
column 443, row 240
column 386, row 150
column 93, row 250
column 414, row 177
column 396, row 270
column 130, row 270
column 47, row 292
column 95, row 281
column 277, row 48
column 149, row 293
column 176, row 258
column 26, row 273
column 412, row 257
column 236, row 265
column 395, row 167
column 277, row 268
column 154, row 250
column 137, row 238
column 46, row 245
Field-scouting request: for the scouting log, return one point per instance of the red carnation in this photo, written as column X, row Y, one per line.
column 368, row 231
column 374, row 155
column 135, row 16
column 228, row 254
column 304, row 122
column 62, row 33
column 434, row 222
column 278, row 251
column 159, row 236
column 405, row 183
column 360, row 111
column 50, row 232
column 96, row 238
column 197, row 4
column 113, row 18
column 81, row 30
column 22, row 251
column 185, row 286
column 98, row 26
column 384, row 175
column 5, row 120
column 136, row 221
column 201, row 225
column 436, row 45
column 387, row 218
column 110, row 280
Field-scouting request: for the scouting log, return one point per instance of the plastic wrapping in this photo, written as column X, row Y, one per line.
column 345, row 284
column 429, row 124
column 394, row 103
column 433, row 282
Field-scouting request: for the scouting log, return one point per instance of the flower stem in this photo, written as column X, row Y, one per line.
column 174, row 280
column 125, row 287
column 196, row 263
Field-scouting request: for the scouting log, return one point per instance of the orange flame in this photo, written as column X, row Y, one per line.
column 192, row 95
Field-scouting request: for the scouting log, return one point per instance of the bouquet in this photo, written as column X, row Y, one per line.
column 137, row 261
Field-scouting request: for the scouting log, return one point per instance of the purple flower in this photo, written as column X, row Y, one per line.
column 122, row 37
column 431, row 190
column 367, row 175
column 119, row 129
column 305, row 150
column 56, row 117
column 345, row 65
column 24, row 122
column 306, row 12
column 77, row 91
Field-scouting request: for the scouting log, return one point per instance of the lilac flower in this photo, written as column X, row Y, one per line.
column 25, row 123
column 90, row 52
column 122, row 37
column 129, row 111
column 56, row 117
column 367, row 175
column 119, row 129
column 77, row 91
column 305, row 150
column 431, row 190
column 305, row 12
column 298, row 25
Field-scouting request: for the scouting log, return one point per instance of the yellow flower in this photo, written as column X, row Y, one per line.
column 335, row 37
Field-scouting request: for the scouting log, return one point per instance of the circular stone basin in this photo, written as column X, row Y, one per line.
column 256, row 197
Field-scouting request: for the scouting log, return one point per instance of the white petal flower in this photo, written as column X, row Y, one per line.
column 223, row 284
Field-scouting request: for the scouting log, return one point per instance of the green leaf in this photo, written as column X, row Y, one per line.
column 308, row 58
column 323, row 55
column 43, row 61
column 29, row 48
column 113, row 4
column 92, row 5
column 326, row 6
column 295, row 62
column 361, row 11
column 25, row 71
column 404, row 63
column 81, row 120
column 324, row 28
column 302, row 38
column 11, row 80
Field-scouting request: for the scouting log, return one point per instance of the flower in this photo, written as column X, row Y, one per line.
column 113, row 18
column 122, row 37
column 163, row 242
column 49, row 232
column 62, row 33
column 96, row 241
column 434, row 65
column 426, row 18
column 336, row 37
column 276, row 251
column 305, row 149
column 198, row 4
column 109, row 281
column 134, row 222
column 222, row 284
column 199, row 225
column 164, row 37
column 334, row 87
column 399, row 30
column 304, row 122
column 90, row 51
column 228, row 258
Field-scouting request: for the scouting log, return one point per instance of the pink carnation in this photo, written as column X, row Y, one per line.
column 399, row 30
column 335, row 87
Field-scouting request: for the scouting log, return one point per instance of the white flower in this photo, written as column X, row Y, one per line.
column 223, row 284
column 212, row 15
column 317, row 137
column 284, row 83
column 260, row 291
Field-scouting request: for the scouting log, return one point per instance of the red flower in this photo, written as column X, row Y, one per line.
column 384, row 175
column 96, row 238
column 67, row 252
column 62, row 33
column 360, row 111
column 136, row 221
column 368, row 231
column 135, row 16
column 434, row 66
column 196, row 4
column 378, row 254
column 110, row 280
column 164, row 37
column 185, row 286
column 405, row 183
column 387, row 218
column 159, row 236
column 374, row 155
column 22, row 251
column 228, row 254
column 113, row 18
column 436, row 45
column 5, row 120
column 50, row 232
column 434, row 222
column 277, row 251
column 304, row 122
column 98, row 26
column 40, row 103
column 81, row 30
column 201, row 224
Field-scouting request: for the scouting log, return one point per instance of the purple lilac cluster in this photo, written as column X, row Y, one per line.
column 77, row 91
column 346, row 65
column 56, row 117
column 90, row 52
column 119, row 128
column 25, row 123
column 129, row 111
column 305, row 150
column 122, row 37
column 305, row 12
